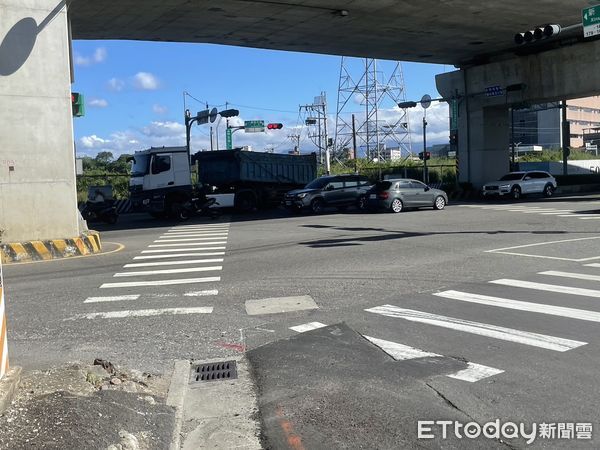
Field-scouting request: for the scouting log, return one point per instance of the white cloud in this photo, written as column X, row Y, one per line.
column 159, row 109
column 93, row 142
column 164, row 129
column 145, row 81
column 98, row 103
column 115, row 84
column 99, row 56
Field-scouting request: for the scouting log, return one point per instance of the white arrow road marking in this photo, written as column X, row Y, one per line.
column 549, row 287
column 482, row 329
column 160, row 282
column 561, row 311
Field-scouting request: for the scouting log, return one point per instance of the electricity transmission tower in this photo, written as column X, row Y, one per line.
column 315, row 118
column 365, row 91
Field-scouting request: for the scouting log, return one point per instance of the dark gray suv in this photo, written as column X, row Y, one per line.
column 340, row 191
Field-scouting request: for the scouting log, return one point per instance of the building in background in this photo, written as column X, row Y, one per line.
column 542, row 127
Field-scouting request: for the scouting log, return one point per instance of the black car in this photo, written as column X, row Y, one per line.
column 340, row 191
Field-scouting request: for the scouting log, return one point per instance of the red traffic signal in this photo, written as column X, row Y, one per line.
column 425, row 156
column 77, row 104
column 274, row 126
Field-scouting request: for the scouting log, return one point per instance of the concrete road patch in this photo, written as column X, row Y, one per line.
column 280, row 305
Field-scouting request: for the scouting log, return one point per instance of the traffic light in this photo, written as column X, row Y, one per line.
column 425, row 156
column 539, row 33
column 77, row 104
column 274, row 126
column 229, row 113
column 453, row 138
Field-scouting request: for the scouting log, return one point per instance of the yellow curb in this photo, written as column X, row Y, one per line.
column 18, row 252
column 41, row 250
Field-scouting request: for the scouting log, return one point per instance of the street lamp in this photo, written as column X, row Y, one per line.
column 425, row 103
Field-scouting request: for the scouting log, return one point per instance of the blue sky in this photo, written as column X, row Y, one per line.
column 134, row 92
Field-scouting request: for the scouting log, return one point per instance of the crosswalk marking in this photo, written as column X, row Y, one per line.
column 592, row 265
column 483, row 329
column 590, row 218
column 548, row 287
column 182, row 235
column 117, row 298
column 561, row 311
column 577, row 276
column 173, row 263
column 308, row 327
column 147, row 312
column 160, row 282
column 201, row 293
column 198, row 227
column 400, row 352
column 580, row 216
column 178, row 255
column 214, row 238
column 186, row 243
column 198, row 249
column 144, row 273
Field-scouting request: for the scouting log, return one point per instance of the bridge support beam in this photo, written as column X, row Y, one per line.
column 483, row 122
column 38, row 197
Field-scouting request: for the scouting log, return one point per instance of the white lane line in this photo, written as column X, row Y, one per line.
column 181, row 235
column 580, row 216
column 167, row 271
column 540, row 211
column 592, row 265
column 178, row 255
column 308, row 327
column 201, row 293
column 577, row 276
column 187, row 243
column 160, row 282
column 173, row 263
column 400, row 352
column 590, row 218
column 482, row 329
column 116, row 298
column 213, row 238
column 557, row 213
column 561, row 311
column 548, row 287
column 543, row 243
column 146, row 313
column 475, row 372
column 166, row 250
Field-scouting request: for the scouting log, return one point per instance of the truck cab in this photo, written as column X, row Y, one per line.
column 160, row 180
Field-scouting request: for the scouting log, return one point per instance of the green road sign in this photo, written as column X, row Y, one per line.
column 591, row 21
column 229, row 138
column 454, row 114
column 254, row 126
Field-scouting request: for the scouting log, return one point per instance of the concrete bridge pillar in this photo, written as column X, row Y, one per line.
column 37, row 163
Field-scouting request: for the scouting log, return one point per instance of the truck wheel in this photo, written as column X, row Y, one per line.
column 316, row 206
column 245, row 202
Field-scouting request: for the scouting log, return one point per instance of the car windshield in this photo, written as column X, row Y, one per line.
column 319, row 183
column 139, row 166
column 511, row 177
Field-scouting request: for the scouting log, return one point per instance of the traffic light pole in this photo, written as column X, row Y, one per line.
column 425, row 173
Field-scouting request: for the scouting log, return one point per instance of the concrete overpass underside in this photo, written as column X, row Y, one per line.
column 37, row 170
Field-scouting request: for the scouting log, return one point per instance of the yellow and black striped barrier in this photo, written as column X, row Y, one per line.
column 86, row 244
column 3, row 338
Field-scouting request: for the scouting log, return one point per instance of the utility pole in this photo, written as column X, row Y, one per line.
column 327, row 155
column 425, row 174
column 566, row 138
column 354, row 144
column 295, row 138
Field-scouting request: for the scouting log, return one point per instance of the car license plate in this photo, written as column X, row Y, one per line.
column 373, row 196
column 288, row 203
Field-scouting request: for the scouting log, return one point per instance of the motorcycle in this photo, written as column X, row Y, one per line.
column 100, row 211
column 199, row 206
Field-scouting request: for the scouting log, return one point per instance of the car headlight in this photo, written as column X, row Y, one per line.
column 302, row 195
column 504, row 186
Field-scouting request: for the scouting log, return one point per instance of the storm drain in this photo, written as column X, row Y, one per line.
column 219, row 371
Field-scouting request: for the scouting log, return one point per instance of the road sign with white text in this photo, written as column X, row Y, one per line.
column 254, row 126
column 591, row 21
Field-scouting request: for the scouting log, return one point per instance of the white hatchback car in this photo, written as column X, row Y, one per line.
column 518, row 184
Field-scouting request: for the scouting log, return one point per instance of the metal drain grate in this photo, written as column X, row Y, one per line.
column 219, row 371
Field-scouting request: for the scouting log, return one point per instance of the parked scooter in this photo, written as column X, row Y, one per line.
column 199, row 206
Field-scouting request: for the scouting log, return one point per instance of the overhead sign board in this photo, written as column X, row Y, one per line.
column 254, row 126
column 454, row 114
column 591, row 21
column 229, row 138
column 494, row 91
column 202, row 117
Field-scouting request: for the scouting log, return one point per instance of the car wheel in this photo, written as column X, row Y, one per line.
column 316, row 206
column 439, row 203
column 548, row 190
column 516, row 193
column 396, row 205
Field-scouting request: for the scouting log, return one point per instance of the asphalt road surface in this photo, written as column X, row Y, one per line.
column 357, row 325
